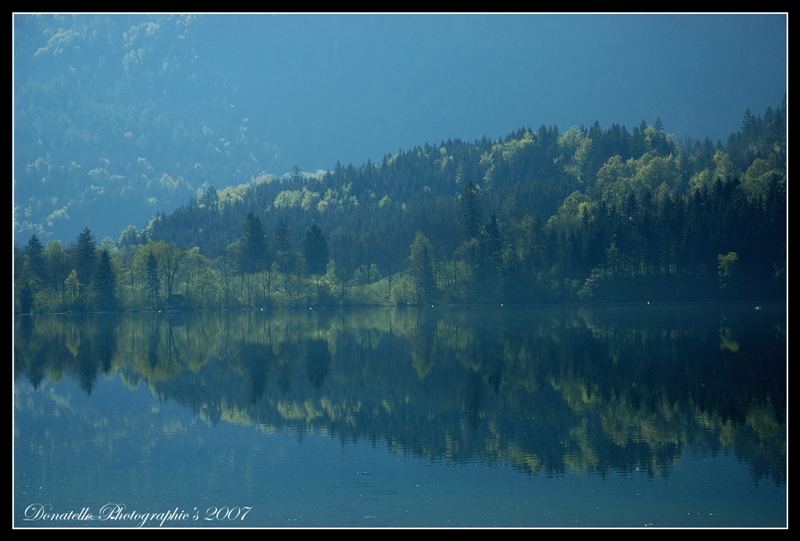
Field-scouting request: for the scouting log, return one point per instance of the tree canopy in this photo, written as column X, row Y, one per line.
column 597, row 214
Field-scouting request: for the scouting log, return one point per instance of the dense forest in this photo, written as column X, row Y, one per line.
column 539, row 216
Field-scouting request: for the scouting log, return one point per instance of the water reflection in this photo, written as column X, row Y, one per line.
column 599, row 390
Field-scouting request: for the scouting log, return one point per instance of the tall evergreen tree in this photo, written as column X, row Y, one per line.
column 85, row 257
column 315, row 251
column 489, row 259
column 421, row 268
column 254, row 245
column 34, row 253
column 296, row 174
column 153, row 280
column 470, row 211
column 105, row 283
column 283, row 248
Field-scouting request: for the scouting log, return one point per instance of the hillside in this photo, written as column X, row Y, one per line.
column 119, row 117
column 587, row 214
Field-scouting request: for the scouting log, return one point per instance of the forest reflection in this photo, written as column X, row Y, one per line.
column 592, row 390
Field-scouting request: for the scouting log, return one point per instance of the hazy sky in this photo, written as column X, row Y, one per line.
column 352, row 87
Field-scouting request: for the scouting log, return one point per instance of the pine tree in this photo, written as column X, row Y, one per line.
column 34, row 253
column 296, row 174
column 421, row 268
column 283, row 248
column 254, row 245
column 315, row 251
column 470, row 211
column 153, row 280
column 105, row 283
column 85, row 257
column 490, row 248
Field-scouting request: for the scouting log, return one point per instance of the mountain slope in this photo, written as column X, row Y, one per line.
column 119, row 117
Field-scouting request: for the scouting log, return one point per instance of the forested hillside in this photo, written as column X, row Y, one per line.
column 597, row 214
column 119, row 117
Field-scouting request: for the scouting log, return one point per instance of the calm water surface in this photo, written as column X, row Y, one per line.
column 557, row 416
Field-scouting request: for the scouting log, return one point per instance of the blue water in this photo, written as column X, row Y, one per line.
column 612, row 416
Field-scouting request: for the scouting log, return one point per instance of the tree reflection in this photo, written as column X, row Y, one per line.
column 595, row 391
column 318, row 360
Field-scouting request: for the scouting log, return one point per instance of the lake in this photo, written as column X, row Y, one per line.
column 454, row 416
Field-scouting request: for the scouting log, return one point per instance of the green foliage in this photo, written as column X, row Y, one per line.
column 421, row 269
column 210, row 198
column 574, row 146
column 470, row 211
column 233, row 196
column 254, row 256
column 617, row 180
column 315, row 251
column 489, row 261
column 759, row 176
column 153, row 280
column 57, row 266
column 284, row 254
column 403, row 291
column 85, row 257
column 105, row 285
column 723, row 169
column 728, row 271
column 72, row 291
column 304, row 199
column 592, row 215
column 34, row 254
